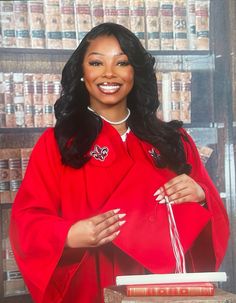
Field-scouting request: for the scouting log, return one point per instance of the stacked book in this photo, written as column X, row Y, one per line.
column 181, row 284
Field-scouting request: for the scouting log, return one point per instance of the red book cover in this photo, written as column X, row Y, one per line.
column 171, row 289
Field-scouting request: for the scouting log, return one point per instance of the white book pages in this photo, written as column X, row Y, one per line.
column 172, row 278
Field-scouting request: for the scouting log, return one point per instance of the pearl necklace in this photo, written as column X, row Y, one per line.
column 111, row 122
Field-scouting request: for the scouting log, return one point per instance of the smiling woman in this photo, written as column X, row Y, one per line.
column 109, row 78
column 91, row 201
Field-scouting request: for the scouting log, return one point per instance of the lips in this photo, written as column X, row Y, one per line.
column 109, row 88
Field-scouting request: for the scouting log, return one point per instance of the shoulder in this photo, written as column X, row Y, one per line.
column 46, row 145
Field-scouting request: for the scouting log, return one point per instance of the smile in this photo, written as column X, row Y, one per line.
column 109, row 88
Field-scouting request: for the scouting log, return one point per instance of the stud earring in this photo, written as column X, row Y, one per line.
column 82, row 79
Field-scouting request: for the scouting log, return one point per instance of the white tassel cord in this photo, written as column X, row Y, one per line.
column 175, row 240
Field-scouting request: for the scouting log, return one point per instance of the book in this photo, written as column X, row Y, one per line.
column 36, row 23
column 116, row 294
column 137, row 19
column 53, row 33
column 152, row 9
column 171, row 289
column 22, row 30
column 68, row 27
column 180, row 24
column 166, row 25
column 171, row 278
column 83, row 18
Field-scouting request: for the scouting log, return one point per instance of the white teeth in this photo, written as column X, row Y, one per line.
column 109, row 88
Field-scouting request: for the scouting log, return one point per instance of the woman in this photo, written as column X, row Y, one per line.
column 68, row 220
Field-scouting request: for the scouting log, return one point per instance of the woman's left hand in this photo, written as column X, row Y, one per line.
column 180, row 189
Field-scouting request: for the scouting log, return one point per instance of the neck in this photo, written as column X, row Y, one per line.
column 112, row 122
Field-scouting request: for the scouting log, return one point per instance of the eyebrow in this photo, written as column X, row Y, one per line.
column 100, row 54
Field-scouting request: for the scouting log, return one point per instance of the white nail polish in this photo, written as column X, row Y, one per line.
column 122, row 222
column 116, row 210
column 121, row 216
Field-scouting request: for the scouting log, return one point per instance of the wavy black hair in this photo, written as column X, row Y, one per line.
column 77, row 127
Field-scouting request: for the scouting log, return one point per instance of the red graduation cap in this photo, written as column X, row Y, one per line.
column 145, row 236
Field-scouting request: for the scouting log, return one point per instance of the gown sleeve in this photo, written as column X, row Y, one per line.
column 209, row 249
column 37, row 232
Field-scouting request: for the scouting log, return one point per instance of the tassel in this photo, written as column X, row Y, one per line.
column 175, row 240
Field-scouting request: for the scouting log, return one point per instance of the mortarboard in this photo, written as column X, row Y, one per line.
column 145, row 236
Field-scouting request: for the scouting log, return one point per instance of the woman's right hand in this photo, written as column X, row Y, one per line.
column 95, row 231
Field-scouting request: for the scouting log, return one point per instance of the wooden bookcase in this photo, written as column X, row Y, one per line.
column 212, row 125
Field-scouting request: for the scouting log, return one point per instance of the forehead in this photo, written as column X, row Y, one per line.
column 104, row 45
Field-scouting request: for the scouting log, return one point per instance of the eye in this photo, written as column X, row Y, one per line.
column 123, row 63
column 95, row 63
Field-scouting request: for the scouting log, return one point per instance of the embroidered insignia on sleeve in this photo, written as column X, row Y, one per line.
column 99, row 153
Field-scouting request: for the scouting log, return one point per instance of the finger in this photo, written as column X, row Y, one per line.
column 104, row 216
column 109, row 223
column 109, row 239
column 109, row 234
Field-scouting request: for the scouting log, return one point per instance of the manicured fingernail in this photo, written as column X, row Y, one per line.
column 159, row 197
column 116, row 210
column 122, row 222
column 121, row 216
column 163, row 201
column 117, row 233
column 157, row 192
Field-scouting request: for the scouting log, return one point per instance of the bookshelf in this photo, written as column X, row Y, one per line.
column 198, row 76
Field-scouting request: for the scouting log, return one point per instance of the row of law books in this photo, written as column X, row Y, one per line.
column 13, row 164
column 177, row 284
column 13, row 283
column 27, row 99
column 61, row 24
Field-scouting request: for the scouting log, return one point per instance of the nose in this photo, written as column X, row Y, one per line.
column 108, row 71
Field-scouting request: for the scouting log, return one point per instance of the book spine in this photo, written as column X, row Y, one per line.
column 175, row 95
column 166, row 96
column 25, row 155
column 52, row 17
column 122, row 9
column 180, row 25
column 166, row 25
column 2, row 103
column 8, row 24
column 68, row 24
column 137, row 20
column 202, row 24
column 4, row 178
column 47, row 100
column 152, row 12
column 191, row 17
column 8, row 100
column 36, row 24
column 14, row 172
column 83, row 18
column 18, row 91
column 110, row 12
column 185, row 106
column 38, row 100
column 170, row 291
column 28, row 99
column 22, row 25
column 97, row 12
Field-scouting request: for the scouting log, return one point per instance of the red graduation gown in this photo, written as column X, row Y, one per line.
column 53, row 196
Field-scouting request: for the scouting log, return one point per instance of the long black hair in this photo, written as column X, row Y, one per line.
column 77, row 127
